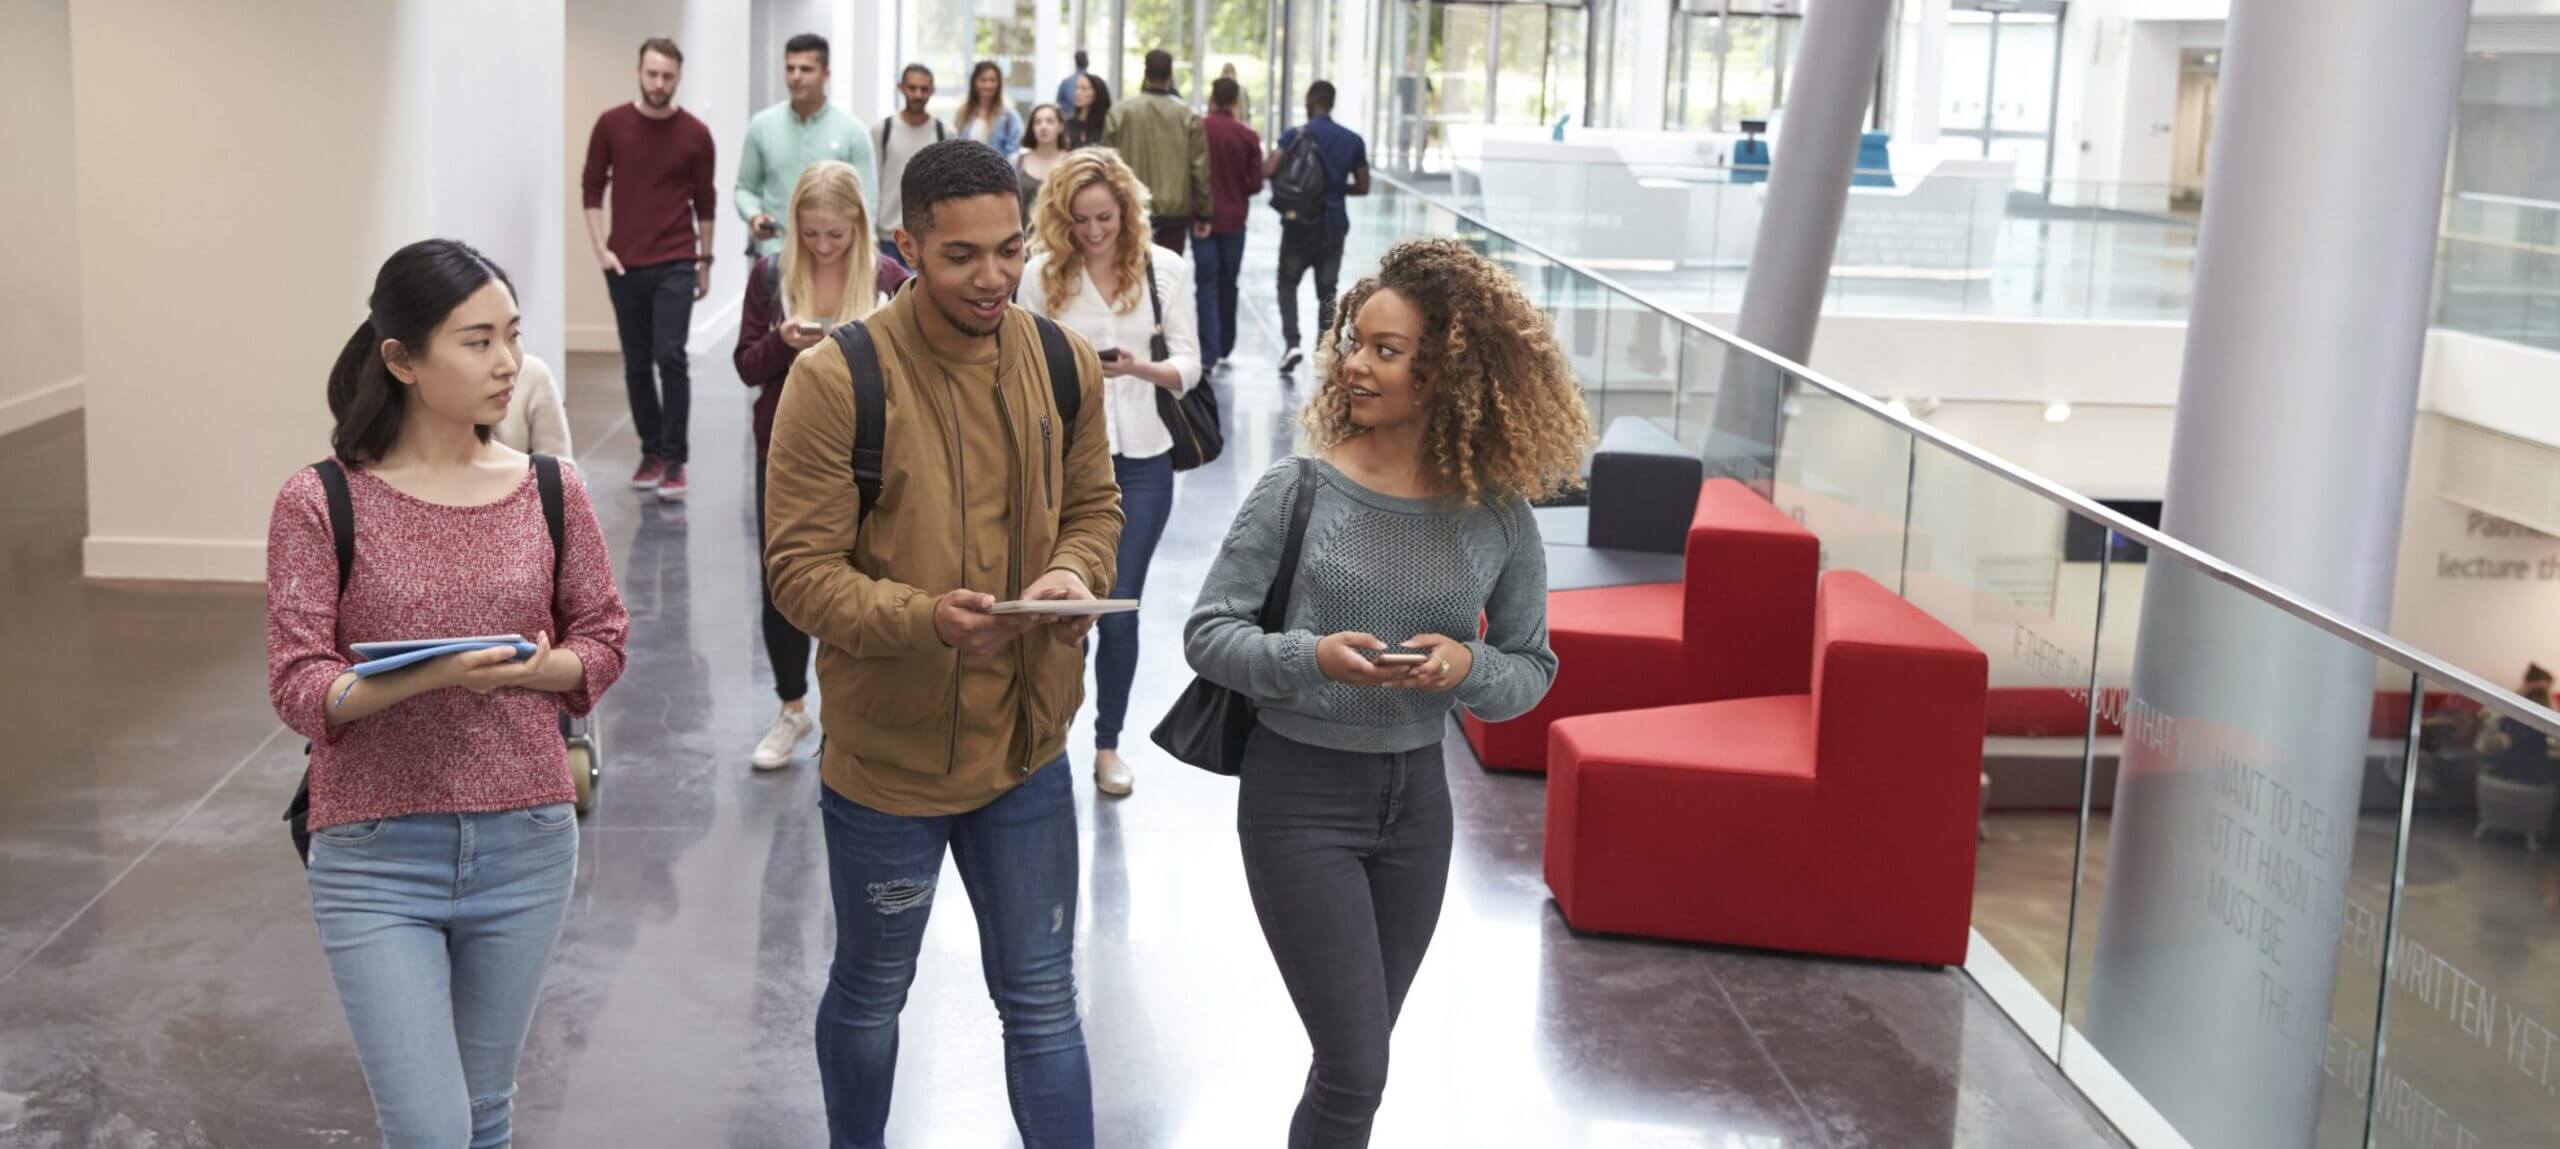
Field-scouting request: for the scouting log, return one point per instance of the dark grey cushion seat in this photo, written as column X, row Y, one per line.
column 1644, row 489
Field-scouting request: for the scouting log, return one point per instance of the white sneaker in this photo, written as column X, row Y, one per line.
column 1112, row 776
column 1290, row 361
column 774, row 752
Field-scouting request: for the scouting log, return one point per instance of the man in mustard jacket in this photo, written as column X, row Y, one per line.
column 947, row 724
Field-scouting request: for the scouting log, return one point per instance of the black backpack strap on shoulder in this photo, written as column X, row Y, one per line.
column 870, row 417
column 1066, row 389
column 546, row 479
column 342, row 518
column 1275, row 602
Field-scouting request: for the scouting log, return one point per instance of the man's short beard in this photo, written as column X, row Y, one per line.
column 965, row 323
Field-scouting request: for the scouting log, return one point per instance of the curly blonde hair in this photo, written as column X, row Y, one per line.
column 1053, row 227
column 1505, row 414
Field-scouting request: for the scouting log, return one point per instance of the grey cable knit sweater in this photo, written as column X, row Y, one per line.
column 1390, row 567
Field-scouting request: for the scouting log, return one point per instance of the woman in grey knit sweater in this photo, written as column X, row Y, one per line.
column 1446, row 407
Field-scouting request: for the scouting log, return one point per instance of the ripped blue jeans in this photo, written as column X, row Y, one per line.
column 1017, row 857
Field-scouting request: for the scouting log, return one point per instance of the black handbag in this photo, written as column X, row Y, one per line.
column 1199, row 430
column 1207, row 726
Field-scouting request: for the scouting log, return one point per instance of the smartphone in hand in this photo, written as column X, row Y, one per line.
column 1398, row 656
column 810, row 328
column 1108, row 354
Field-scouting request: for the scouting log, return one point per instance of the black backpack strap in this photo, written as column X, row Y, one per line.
column 546, row 479
column 1157, row 349
column 870, row 418
column 1066, row 389
column 1275, row 602
column 342, row 518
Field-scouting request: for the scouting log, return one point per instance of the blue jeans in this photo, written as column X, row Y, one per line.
column 1146, row 498
column 1214, row 264
column 438, row 929
column 1017, row 856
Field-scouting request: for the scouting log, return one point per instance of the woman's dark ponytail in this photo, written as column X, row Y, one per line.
column 416, row 289
column 359, row 391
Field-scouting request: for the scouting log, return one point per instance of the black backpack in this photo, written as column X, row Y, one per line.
column 342, row 535
column 1298, row 185
column 881, row 138
column 1199, row 431
column 870, row 419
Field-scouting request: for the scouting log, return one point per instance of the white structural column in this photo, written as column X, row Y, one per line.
column 1919, row 73
column 1651, row 62
column 866, row 50
column 318, row 138
column 1812, row 156
column 2290, row 459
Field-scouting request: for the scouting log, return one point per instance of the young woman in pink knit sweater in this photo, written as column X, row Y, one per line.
column 443, row 841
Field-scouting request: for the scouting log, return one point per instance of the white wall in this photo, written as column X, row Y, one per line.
column 40, row 297
column 198, row 410
column 2117, row 111
column 2450, row 606
column 481, row 78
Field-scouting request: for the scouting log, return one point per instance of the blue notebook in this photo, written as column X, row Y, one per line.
column 384, row 657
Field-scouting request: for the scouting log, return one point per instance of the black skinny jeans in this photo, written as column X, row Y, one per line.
column 1347, row 858
column 1308, row 247
column 653, row 315
column 784, row 645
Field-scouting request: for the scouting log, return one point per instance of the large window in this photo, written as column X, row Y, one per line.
column 1729, row 63
column 2002, row 58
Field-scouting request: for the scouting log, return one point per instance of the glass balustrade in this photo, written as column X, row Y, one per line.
column 2250, row 875
column 1964, row 242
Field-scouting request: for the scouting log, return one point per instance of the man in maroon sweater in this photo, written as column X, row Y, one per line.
column 1235, row 177
column 657, row 257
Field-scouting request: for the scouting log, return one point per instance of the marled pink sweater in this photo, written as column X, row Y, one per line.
column 424, row 570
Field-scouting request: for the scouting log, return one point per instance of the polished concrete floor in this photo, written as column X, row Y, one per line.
column 161, row 984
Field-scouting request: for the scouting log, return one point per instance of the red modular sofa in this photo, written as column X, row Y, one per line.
column 1733, row 627
column 1839, row 821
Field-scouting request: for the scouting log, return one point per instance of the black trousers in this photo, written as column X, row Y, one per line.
column 1302, row 246
column 1170, row 232
column 784, row 646
column 1347, row 858
column 653, row 313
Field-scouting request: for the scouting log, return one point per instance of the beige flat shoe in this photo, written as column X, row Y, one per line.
column 1111, row 775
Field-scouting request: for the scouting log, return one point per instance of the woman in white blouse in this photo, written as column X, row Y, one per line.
column 1095, row 272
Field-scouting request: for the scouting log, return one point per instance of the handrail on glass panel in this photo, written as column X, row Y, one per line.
column 2498, row 698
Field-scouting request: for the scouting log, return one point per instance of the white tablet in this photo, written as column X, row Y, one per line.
column 1066, row 606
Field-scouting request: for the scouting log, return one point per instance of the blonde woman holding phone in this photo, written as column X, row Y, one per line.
column 828, row 274
column 1095, row 272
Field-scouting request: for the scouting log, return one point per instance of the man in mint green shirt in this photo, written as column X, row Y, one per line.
column 783, row 140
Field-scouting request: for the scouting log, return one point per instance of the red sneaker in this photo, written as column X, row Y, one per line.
column 652, row 472
column 671, row 488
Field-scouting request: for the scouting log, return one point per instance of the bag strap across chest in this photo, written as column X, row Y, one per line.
column 870, row 417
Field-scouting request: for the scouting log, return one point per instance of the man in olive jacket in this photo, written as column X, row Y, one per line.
column 1167, row 144
column 946, row 723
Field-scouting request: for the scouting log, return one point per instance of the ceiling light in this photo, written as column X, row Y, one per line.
column 2057, row 412
column 1898, row 407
